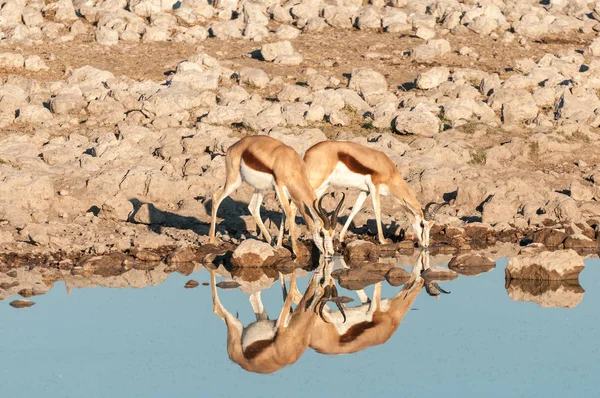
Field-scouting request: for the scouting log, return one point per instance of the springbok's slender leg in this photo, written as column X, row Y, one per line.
column 377, row 209
column 362, row 296
column 218, row 197
column 282, row 224
column 355, row 209
column 285, row 204
column 254, row 208
column 281, row 230
column 376, row 302
column 257, row 306
column 287, row 305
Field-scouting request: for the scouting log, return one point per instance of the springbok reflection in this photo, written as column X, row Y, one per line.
column 266, row 346
column 369, row 324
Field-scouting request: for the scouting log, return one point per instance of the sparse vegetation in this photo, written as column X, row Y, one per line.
column 580, row 136
column 534, row 150
column 478, row 156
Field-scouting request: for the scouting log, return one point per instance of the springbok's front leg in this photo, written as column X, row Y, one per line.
column 288, row 213
column 377, row 208
column 355, row 209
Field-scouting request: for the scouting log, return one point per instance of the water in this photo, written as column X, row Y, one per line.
column 166, row 341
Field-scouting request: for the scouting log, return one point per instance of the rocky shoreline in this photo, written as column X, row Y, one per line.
column 94, row 162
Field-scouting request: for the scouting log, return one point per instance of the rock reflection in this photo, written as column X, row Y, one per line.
column 557, row 294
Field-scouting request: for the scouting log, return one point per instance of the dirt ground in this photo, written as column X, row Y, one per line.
column 333, row 52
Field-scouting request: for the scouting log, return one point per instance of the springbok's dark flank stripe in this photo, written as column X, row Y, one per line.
column 256, row 348
column 354, row 165
column 355, row 331
column 255, row 163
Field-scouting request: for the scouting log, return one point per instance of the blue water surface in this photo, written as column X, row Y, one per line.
column 165, row 341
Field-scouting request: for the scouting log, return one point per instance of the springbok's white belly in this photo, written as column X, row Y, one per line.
column 342, row 177
column 355, row 315
column 256, row 179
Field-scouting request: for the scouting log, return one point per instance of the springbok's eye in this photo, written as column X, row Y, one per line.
column 422, row 224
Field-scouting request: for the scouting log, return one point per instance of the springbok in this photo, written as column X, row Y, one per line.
column 265, row 163
column 266, row 346
column 369, row 324
column 343, row 164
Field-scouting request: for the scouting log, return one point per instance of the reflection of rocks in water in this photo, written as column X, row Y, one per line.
column 361, row 275
column 252, row 280
column 22, row 303
column 471, row 264
column 191, row 284
column 253, row 253
column 397, row 276
column 559, row 294
column 439, row 273
column 35, row 281
column 228, row 285
column 133, row 278
column 557, row 265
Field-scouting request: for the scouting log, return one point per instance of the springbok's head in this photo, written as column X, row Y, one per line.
column 325, row 230
column 422, row 226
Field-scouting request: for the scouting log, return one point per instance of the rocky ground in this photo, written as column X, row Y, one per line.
column 115, row 115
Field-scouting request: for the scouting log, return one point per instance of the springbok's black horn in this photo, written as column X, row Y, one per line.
column 335, row 214
column 427, row 211
column 319, row 210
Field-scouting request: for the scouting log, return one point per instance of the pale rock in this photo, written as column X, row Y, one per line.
column 433, row 78
column 255, row 32
column 145, row 8
column 292, row 92
column 517, row 105
column 353, row 101
column 34, row 63
column 315, row 113
column 226, row 30
column 371, row 85
column 11, row 61
column 33, row 114
column 254, row 253
column 156, row 33
column 499, row 209
column 148, row 214
column 287, row 32
column 422, row 123
column 67, row 103
column 338, row 118
column 37, row 234
column 290, row 60
column 89, row 76
column 107, row 37
column 116, row 209
column 301, row 141
column 280, row 14
column 423, row 52
column 580, row 191
column 594, row 47
column 556, row 265
column 197, row 80
column 328, row 99
column 271, row 51
column 368, row 18
column 425, row 33
column 254, row 77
